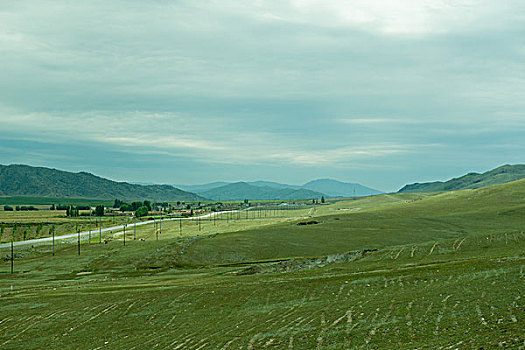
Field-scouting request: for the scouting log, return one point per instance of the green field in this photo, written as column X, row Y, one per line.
column 24, row 225
column 404, row 271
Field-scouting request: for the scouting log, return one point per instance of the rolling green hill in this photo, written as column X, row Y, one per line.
column 503, row 174
column 375, row 222
column 24, row 180
column 242, row 190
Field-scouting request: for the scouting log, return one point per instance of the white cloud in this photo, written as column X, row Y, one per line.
column 376, row 120
column 285, row 83
column 177, row 135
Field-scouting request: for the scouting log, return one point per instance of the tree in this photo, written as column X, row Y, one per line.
column 147, row 204
column 8, row 208
column 118, row 203
column 72, row 211
column 136, row 205
column 126, row 207
column 99, row 210
column 142, row 211
column 52, row 207
column 322, row 199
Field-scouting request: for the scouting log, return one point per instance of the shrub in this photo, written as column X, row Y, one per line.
column 99, row 210
column 142, row 211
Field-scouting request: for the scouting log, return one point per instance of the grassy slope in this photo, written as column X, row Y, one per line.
column 502, row 174
column 450, row 276
column 400, row 220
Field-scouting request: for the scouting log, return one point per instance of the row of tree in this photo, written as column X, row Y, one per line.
column 20, row 208
column 65, row 207
column 140, row 208
column 72, row 211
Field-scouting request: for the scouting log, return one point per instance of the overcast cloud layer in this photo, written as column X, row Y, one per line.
column 377, row 92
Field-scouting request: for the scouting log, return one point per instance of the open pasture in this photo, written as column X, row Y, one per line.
column 443, row 272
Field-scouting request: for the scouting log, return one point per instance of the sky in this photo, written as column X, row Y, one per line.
column 382, row 93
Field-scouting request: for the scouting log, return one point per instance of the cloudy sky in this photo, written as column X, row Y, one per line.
column 377, row 92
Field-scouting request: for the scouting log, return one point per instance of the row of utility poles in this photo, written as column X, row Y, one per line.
column 230, row 216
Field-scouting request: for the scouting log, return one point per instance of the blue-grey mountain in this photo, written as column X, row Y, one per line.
column 201, row 188
column 326, row 187
column 243, row 190
column 334, row 188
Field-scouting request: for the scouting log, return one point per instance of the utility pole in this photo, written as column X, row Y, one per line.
column 134, row 227
column 78, row 235
column 100, row 229
column 89, row 242
column 125, row 234
column 160, row 224
column 12, row 256
column 180, row 226
column 53, row 240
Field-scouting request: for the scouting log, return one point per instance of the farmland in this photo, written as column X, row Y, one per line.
column 400, row 271
column 24, row 225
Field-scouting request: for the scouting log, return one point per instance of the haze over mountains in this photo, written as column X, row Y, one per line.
column 24, row 180
column 243, row 190
column 275, row 190
column 502, row 174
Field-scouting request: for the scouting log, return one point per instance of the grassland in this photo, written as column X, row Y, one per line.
column 425, row 272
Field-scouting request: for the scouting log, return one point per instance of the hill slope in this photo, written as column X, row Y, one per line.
column 336, row 188
column 375, row 222
column 24, row 180
column 201, row 188
column 242, row 190
column 503, row 174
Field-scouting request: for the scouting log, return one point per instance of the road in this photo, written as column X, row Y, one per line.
column 96, row 232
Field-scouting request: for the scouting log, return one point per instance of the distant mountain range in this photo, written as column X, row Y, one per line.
column 243, row 190
column 334, row 188
column 24, row 180
column 502, row 174
column 274, row 190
